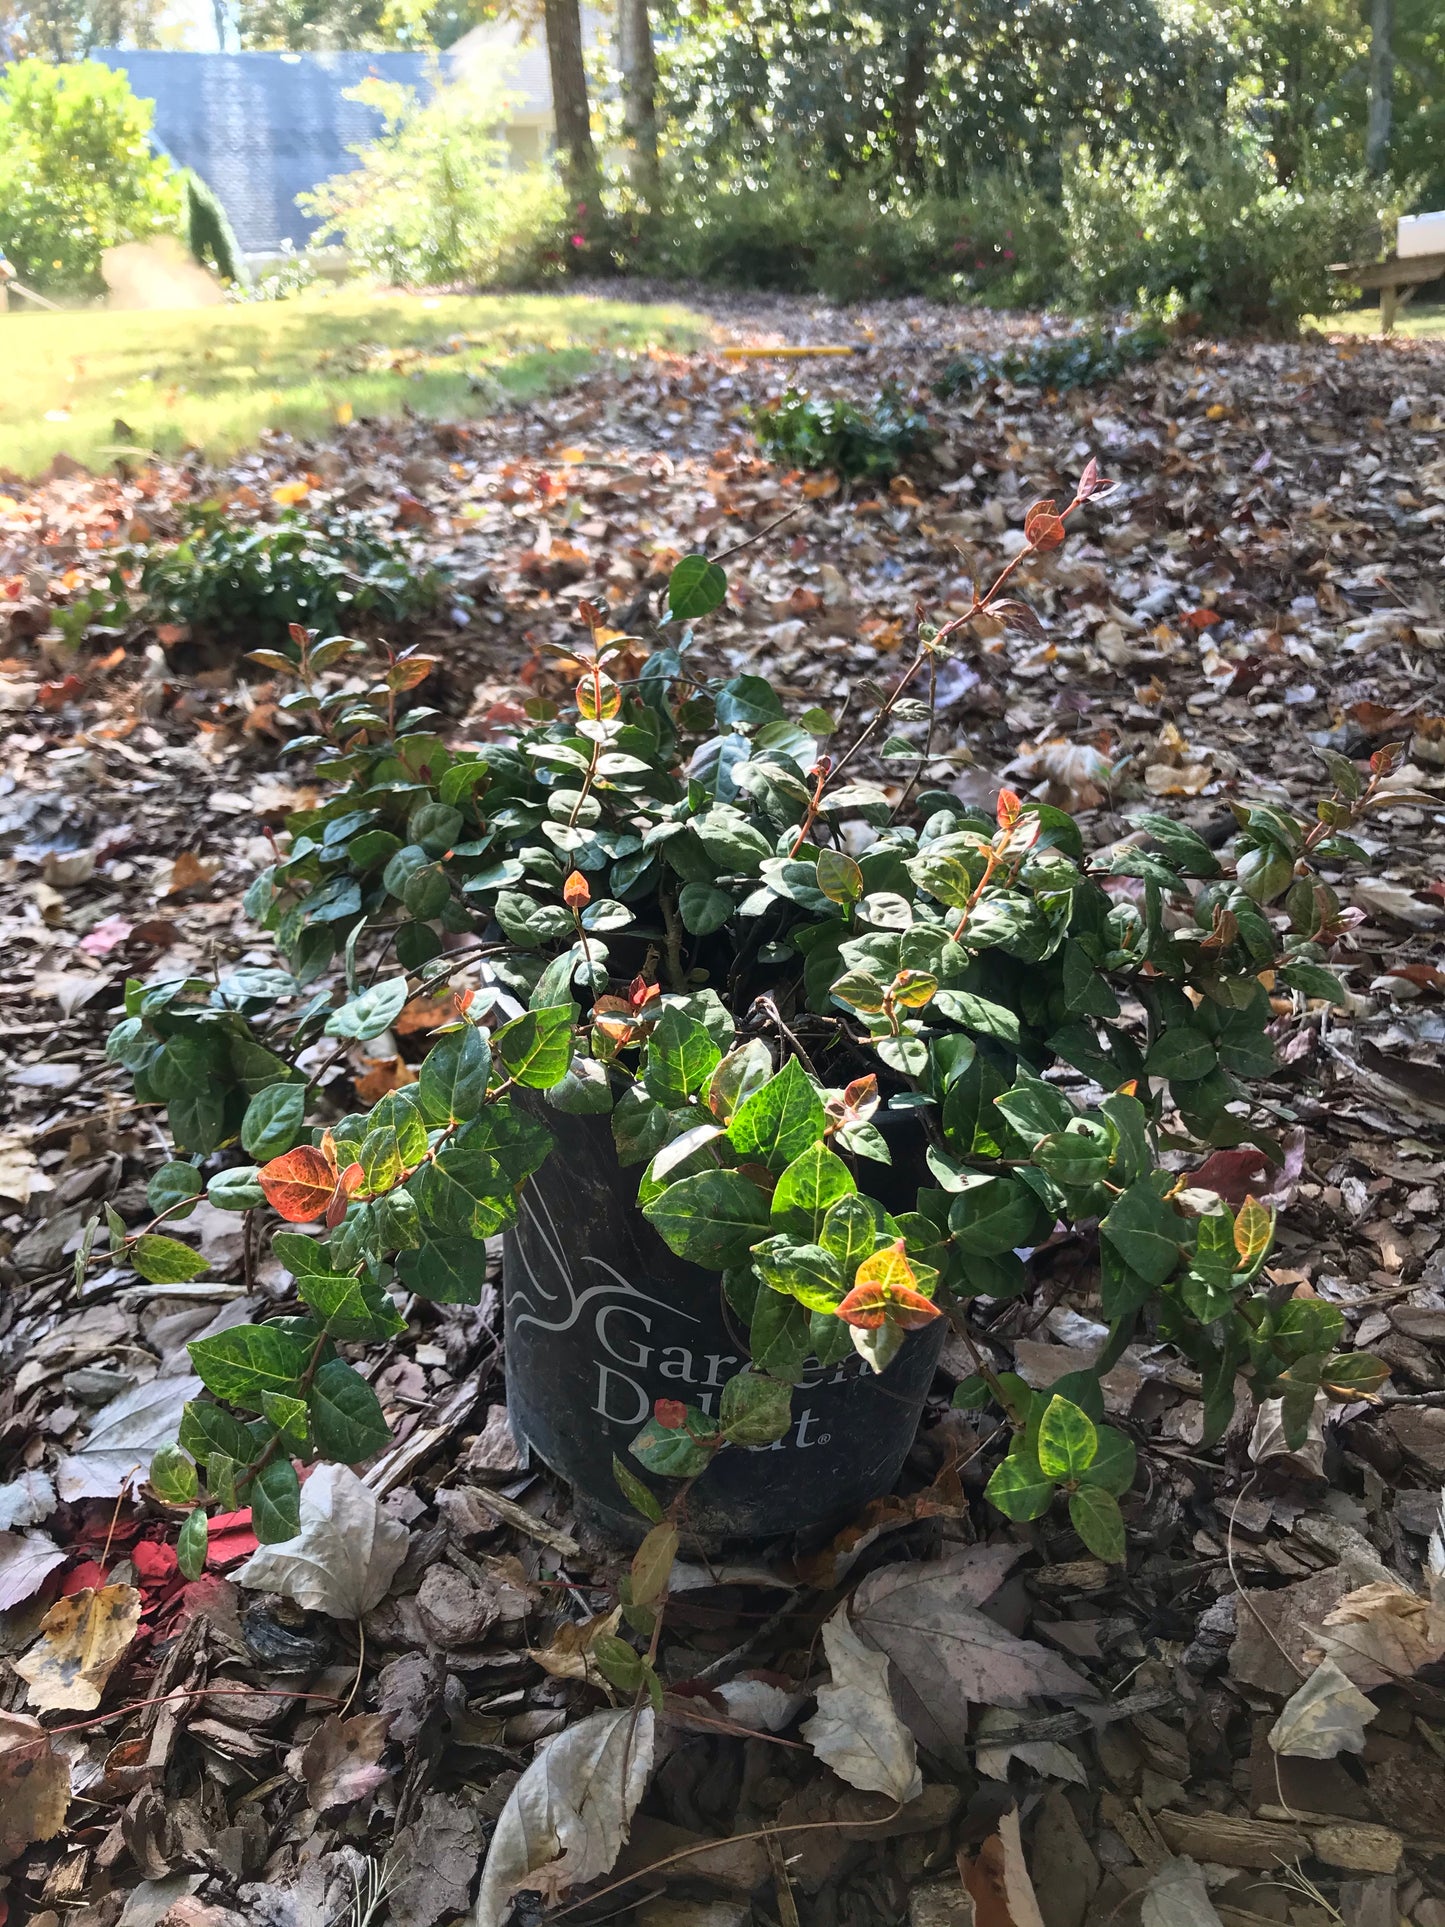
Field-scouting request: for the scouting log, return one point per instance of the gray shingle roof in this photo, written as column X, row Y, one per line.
column 261, row 127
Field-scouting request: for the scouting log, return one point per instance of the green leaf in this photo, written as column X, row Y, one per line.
column 652, row 1564
column 806, row 1272
column 978, row 1014
column 712, row 1219
column 635, row 1492
column 695, row 588
column 173, row 1182
column 778, row 1122
column 1314, row 980
column 993, row 1215
column 274, row 1121
column 166, row 1261
column 681, row 1057
column 173, row 1476
column 240, row 1364
column 193, row 1545
column 816, row 1179
column 1145, row 1231
column 349, row 1307
column 447, row 1271
column 704, row 908
column 536, row 1048
column 1078, row 1157
column 1114, row 1461
column 839, row 877
column 1181, row 1052
column 288, row 1415
column 1067, row 1441
column 463, row 1193
column 1018, row 1487
column 1097, row 1520
column 677, row 1452
column 780, row 1336
column 1350, row 1375
column 755, row 1410
column 850, row 1232
column 207, row 1430
column 453, row 1080
column 274, row 1496
column 235, row 1190
column 347, row 1421
column 371, row 1013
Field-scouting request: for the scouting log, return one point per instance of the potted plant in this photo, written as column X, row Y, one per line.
column 770, row 1077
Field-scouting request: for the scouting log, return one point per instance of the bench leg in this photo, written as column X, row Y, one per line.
column 1389, row 305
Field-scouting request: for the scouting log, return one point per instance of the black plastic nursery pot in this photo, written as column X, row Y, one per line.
column 602, row 1320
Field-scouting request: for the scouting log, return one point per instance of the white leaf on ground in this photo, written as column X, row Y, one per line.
column 1048, row 1757
column 759, row 1704
column 946, row 1652
column 1176, row 1896
column 855, row 1729
column 1436, row 1555
column 25, row 1559
column 116, row 1453
column 1327, row 1716
column 566, row 1819
column 345, row 1556
column 26, row 1501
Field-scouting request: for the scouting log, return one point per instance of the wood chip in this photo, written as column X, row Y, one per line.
column 1232, row 1840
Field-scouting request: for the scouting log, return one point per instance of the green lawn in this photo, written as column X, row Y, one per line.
column 1421, row 321
column 99, row 385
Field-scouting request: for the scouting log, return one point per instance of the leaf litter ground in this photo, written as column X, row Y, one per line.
column 1243, row 1726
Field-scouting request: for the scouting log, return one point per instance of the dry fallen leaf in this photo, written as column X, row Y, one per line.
column 190, row 871
column 34, row 1786
column 340, row 1763
column 82, row 1641
column 1327, row 1716
column 997, row 1879
column 1176, row 1896
column 569, row 1655
column 1051, row 1758
column 344, row 1558
column 567, row 1818
column 945, row 1652
column 1382, row 1633
column 25, row 1559
column 855, row 1729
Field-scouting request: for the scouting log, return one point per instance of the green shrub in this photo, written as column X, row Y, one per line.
column 1001, row 243
column 1081, row 359
column 434, row 200
column 857, row 443
column 229, row 580
column 209, row 235
column 77, row 175
column 638, row 867
column 1213, row 236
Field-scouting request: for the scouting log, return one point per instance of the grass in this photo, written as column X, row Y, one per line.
column 1421, row 321
column 98, row 385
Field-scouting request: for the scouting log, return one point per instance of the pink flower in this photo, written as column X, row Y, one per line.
column 579, row 240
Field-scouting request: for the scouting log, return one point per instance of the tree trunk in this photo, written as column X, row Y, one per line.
column 1382, row 82
column 638, row 61
column 570, row 110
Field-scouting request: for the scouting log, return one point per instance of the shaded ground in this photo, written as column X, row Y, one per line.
column 1266, row 578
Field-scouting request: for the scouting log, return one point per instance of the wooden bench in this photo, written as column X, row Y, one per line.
column 1396, row 279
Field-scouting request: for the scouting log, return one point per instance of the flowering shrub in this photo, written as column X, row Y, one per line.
column 678, row 935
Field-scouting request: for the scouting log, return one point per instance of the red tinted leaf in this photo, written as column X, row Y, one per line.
column 1088, row 481
column 299, row 1184
column 910, row 1308
column 1042, row 527
column 670, row 1413
column 1010, row 808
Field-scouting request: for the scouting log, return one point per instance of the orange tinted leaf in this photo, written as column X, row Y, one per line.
column 866, row 1306
column 410, row 671
column 860, row 1099
column 888, row 1267
column 910, row 1308
column 300, row 1183
column 1010, row 808
column 576, row 892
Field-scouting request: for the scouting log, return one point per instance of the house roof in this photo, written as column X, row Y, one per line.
column 259, row 128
